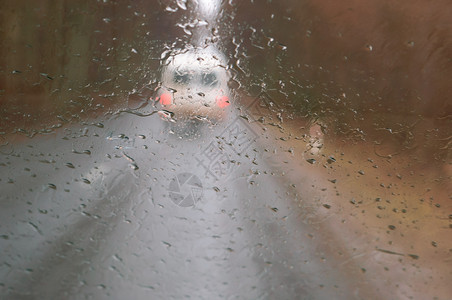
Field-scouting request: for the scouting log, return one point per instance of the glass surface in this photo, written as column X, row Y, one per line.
column 225, row 149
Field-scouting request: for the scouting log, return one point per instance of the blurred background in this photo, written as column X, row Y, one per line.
column 367, row 83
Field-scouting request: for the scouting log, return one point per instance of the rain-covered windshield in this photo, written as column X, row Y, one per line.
column 233, row 149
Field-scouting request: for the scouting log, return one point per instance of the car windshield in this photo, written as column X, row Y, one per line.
column 212, row 149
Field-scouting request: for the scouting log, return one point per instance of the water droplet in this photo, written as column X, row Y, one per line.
column 83, row 152
column 166, row 115
column 182, row 4
column 311, row 160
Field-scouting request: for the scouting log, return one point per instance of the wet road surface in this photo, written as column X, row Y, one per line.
column 89, row 213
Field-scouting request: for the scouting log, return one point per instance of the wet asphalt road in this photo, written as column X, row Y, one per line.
column 94, row 212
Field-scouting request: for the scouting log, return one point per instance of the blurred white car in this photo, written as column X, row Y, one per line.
column 195, row 85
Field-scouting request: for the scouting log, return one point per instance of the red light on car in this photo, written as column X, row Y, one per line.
column 223, row 101
column 165, row 99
